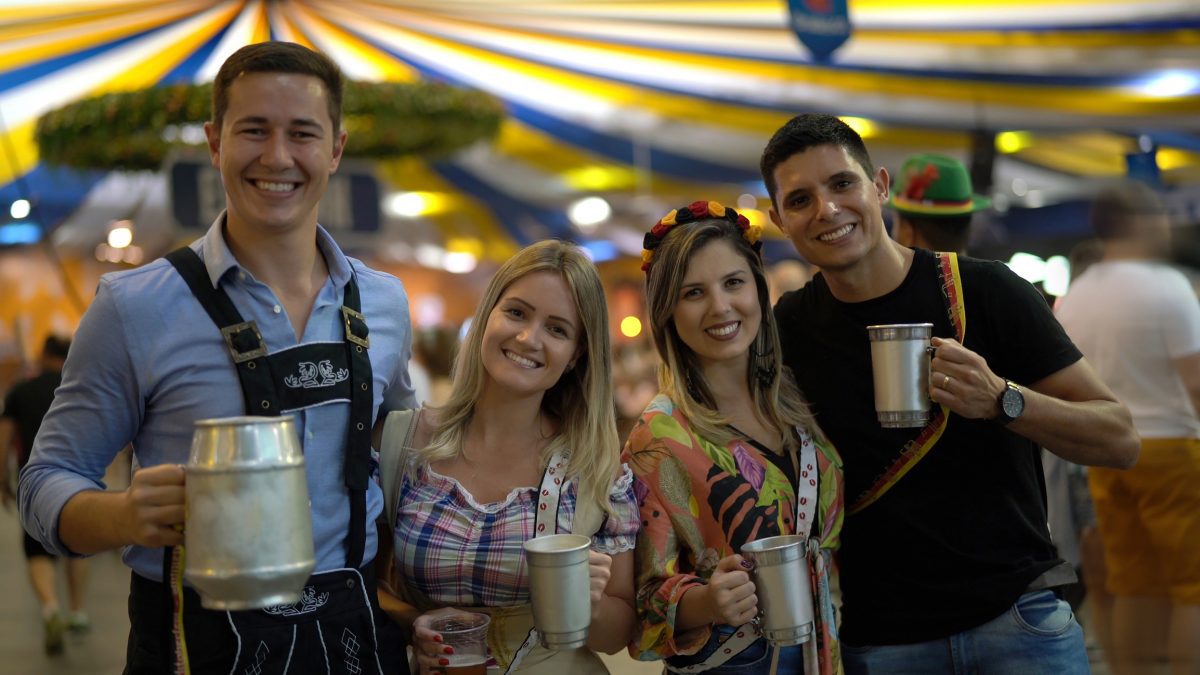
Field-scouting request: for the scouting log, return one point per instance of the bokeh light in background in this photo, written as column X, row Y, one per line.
column 415, row 204
column 19, row 209
column 589, row 212
column 121, row 234
column 631, row 326
column 1054, row 273
column 865, row 127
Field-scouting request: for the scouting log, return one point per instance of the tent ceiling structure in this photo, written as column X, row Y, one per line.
column 646, row 103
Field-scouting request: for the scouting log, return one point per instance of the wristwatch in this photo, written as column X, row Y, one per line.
column 1012, row 403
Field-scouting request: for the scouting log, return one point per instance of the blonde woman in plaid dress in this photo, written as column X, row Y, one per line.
column 531, row 406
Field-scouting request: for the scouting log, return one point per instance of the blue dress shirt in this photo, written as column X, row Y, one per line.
column 147, row 362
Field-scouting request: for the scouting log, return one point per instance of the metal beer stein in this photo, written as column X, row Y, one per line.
column 248, row 530
column 560, row 589
column 782, row 584
column 900, row 365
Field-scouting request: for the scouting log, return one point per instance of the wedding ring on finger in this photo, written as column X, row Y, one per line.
column 946, row 381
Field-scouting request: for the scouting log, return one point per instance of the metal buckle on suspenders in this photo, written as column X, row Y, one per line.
column 356, row 327
column 245, row 341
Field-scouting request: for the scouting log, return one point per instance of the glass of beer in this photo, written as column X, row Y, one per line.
column 466, row 632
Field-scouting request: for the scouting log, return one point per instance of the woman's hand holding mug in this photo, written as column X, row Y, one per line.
column 731, row 595
column 599, row 572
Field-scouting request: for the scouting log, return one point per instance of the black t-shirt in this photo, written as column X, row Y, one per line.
column 26, row 404
column 955, row 542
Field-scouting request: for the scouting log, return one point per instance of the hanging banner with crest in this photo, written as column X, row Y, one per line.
column 821, row 25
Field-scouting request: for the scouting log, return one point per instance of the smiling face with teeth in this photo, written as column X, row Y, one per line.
column 830, row 207
column 717, row 314
column 532, row 334
column 275, row 148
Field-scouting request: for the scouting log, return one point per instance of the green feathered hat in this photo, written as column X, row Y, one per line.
column 935, row 185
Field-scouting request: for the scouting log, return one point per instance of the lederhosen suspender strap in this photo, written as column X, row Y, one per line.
column 261, row 396
column 357, row 463
column 950, row 282
column 249, row 354
column 245, row 343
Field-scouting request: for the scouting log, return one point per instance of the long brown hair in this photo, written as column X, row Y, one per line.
column 680, row 377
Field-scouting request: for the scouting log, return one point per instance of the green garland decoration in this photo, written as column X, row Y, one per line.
column 135, row 130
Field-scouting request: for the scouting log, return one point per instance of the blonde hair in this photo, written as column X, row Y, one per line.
column 581, row 400
column 680, row 377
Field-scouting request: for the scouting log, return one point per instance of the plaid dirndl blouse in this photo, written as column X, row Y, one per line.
column 459, row 552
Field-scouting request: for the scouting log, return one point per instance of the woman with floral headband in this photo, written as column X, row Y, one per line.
column 726, row 454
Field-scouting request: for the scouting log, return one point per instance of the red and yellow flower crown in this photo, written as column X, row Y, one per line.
column 700, row 210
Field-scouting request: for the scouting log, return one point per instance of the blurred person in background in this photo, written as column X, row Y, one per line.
column 787, row 275
column 434, row 348
column 1070, row 512
column 24, row 407
column 634, row 381
column 726, row 454
column 1138, row 321
column 934, row 204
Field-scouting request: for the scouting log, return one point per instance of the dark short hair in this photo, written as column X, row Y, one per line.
column 1116, row 209
column 942, row 233
column 278, row 57
column 56, row 346
column 808, row 131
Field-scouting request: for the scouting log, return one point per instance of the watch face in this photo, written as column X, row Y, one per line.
column 1013, row 402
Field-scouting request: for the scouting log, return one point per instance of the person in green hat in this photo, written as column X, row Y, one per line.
column 934, row 203
column 946, row 560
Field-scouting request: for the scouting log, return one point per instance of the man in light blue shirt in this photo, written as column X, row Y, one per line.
column 149, row 360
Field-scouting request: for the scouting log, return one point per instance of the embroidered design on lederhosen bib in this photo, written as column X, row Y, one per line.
column 287, row 381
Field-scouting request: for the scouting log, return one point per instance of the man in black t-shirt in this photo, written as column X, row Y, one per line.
column 24, row 407
column 946, row 569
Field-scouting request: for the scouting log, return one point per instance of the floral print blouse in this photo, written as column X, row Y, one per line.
column 701, row 501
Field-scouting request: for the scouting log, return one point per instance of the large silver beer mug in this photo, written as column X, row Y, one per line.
column 560, row 589
column 248, row 532
column 900, row 365
column 781, row 581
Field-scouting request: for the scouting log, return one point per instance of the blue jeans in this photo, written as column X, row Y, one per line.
column 754, row 660
column 1036, row 636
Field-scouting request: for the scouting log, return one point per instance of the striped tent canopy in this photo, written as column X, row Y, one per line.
column 651, row 104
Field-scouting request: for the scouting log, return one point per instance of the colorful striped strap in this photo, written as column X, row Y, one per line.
column 950, row 281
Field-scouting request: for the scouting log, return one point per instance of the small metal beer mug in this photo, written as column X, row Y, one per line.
column 900, row 364
column 783, row 587
column 560, row 589
column 248, row 530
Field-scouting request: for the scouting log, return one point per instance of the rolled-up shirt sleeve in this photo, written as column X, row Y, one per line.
column 662, row 573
